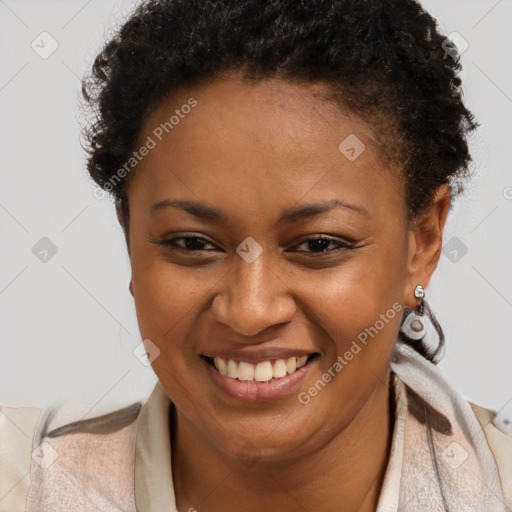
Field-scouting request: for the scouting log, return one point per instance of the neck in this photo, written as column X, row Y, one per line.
column 345, row 475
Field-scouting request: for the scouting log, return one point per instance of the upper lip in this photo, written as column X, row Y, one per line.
column 259, row 355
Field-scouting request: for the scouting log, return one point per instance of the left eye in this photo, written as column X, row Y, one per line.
column 197, row 243
column 321, row 244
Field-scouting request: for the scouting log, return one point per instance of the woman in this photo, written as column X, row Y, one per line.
column 283, row 172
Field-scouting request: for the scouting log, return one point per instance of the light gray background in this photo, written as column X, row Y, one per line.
column 68, row 326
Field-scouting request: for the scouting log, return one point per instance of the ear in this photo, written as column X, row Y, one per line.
column 119, row 213
column 425, row 244
column 124, row 225
column 120, row 218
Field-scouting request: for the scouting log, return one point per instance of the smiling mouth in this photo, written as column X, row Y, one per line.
column 264, row 371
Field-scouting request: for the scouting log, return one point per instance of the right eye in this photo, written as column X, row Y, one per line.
column 189, row 243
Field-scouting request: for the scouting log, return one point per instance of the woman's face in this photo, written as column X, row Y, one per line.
column 254, row 162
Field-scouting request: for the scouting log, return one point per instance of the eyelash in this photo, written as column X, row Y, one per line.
column 171, row 243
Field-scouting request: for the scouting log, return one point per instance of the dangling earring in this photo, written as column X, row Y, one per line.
column 414, row 326
column 419, row 293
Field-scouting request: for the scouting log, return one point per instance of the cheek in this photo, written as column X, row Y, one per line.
column 354, row 296
column 359, row 309
column 166, row 297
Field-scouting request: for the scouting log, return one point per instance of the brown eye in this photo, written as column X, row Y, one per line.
column 186, row 243
column 322, row 244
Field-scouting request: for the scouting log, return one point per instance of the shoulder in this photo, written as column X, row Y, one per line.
column 17, row 428
column 42, row 449
column 83, row 460
column 498, row 432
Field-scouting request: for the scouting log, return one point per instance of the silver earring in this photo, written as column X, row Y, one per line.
column 419, row 293
column 414, row 326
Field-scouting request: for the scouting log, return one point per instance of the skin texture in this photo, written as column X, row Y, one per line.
column 254, row 150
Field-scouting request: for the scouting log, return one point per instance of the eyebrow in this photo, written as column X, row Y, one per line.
column 291, row 215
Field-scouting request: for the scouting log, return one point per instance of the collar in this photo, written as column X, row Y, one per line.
column 154, row 488
column 390, row 491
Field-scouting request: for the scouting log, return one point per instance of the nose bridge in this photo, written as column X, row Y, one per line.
column 253, row 297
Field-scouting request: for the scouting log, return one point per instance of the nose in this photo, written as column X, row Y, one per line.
column 253, row 298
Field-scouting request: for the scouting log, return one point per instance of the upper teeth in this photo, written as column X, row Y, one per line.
column 261, row 372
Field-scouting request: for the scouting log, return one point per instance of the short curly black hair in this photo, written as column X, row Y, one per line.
column 384, row 60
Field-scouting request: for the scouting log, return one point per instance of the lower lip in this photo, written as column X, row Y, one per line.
column 255, row 392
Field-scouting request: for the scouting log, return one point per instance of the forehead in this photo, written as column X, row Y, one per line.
column 269, row 109
column 257, row 142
